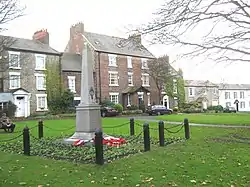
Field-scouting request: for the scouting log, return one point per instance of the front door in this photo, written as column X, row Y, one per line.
column 20, row 103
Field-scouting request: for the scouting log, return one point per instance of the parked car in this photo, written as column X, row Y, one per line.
column 108, row 112
column 158, row 110
column 229, row 110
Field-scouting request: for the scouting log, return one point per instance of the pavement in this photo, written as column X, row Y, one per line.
column 153, row 119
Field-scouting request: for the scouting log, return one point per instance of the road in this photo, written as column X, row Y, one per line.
column 153, row 119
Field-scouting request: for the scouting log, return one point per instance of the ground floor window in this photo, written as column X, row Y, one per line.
column 129, row 100
column 148, row 99
column 41, row 102
column 114, row 97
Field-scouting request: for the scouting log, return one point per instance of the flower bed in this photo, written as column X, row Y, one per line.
column 54, row 148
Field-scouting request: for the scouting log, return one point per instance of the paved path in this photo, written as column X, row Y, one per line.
column 152, row 119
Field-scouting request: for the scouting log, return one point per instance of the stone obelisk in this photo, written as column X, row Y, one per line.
column 88, row 115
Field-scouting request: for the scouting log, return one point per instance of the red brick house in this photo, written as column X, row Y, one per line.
column 120, row 67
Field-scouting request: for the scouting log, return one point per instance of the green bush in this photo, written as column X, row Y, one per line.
column 215, row 108
column 133, row 107
column 107, row 103
column 175, row 109
column 118, row 107
column 9, row 109
column 142, row 107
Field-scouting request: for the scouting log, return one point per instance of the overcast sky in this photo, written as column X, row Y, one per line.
column 112, row 17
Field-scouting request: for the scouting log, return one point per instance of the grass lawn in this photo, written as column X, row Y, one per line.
column 211, row 118
column 199, row 161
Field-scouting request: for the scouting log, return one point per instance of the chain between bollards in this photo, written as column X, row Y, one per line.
column 161, row 133
column 40, row 129
column 132, row 126
column 26, row 141
column 186, row 127
column 99, row 147
column 146, row 137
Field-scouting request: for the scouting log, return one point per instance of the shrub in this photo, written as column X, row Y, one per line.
column 132, row 112
column 175, row 109
column 142, row 107
column 9, row 109
column 118, row 107
column 215, row 108
column 133, row 107
column 107, row 103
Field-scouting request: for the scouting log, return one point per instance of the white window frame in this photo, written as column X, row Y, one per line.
column 14, row 74
column 18, row 60
column 72, row 87
column 117, row 77
column 129, row 104
column 116, row 99
column 191, row 88
column 45, row 102
column 38, row 87
column 148, row 94
column 144, row 63
column 112, row 60
column 228, row 104
column 143, row 76
column 132, row 82
column 227, row 95
column 235, row 95
column 43, row 67
column 241, row 104
column 242, row 94
column 129, row 62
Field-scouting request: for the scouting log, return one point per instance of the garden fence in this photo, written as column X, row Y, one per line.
column 139, row 140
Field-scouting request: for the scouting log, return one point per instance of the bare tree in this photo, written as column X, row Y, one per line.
column 9, row 10
column 160, row 71
column 225, row 25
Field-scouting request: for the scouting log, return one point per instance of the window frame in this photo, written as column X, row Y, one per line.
column 117, row 78
column 143, row 75
column 72, row 78
column 116, row 94
column 112, row 58
column 37, row 56
column 18, row 59
column 45, row 102
column 10, row 80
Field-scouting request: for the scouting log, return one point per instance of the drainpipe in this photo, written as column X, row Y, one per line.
column 100, row 83
column 60, row 72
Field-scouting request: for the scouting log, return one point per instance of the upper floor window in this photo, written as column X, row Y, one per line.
column 144, row 63
column 191, row 91
column 235, row 95
column 129, row 61
column 14, row 60
column 227, row 95
column 40, row 81
column 112, row 60
column 145, row 79
column 72, row 83
column 130, row 79
column 242, row 95
column 40, row 62
column 15, row 80
column 113, row 78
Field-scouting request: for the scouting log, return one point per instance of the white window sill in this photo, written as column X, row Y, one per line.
column 130, row 85
column 14, row 88
column 41, row 110
column 130, row 67
column 113, row 84
column 146, row 85
column 73, row 91
column 111, row 65
column 15, row 67
column 38, row 69
column 144, row 68
column 128, row 105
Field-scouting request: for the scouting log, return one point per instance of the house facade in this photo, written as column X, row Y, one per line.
column 203, row 91
column 120, row 67
column 23, row 77
column 229, row 93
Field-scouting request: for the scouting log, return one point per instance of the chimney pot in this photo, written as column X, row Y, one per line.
column 42, row 36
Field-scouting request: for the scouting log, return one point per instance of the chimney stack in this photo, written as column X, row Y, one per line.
column 42, row 36
column 136, row 37
column 77, row 28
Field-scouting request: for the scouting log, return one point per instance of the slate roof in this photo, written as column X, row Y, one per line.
column 234, row 86
column 5, row 97
column 116, row 45
column 71, row 62
column 21, row 44
column 199, row 83
column 134, row 89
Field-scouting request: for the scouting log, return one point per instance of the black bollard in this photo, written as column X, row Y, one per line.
column 161, row 133
column 132, row 127
column 26, row 141
column 186, row 126
column 40, row 129
column 146, row 137
column 99, row 147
